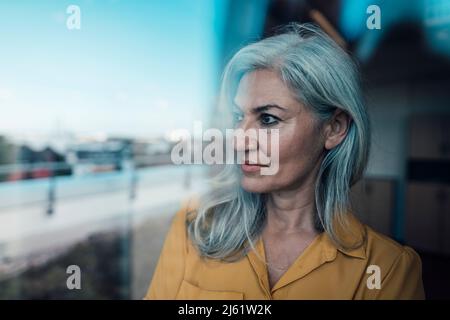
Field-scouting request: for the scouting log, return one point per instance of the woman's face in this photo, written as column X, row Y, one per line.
column 263, row 101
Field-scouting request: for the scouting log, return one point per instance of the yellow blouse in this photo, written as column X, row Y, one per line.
column 322, row 271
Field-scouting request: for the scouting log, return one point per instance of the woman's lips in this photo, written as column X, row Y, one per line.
column 247, row 167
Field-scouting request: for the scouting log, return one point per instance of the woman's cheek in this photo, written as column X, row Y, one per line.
column 283, row 145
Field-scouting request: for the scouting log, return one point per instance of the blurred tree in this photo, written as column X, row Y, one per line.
column 6, row 151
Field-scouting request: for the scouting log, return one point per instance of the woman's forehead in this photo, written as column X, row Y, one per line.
column 263, row 88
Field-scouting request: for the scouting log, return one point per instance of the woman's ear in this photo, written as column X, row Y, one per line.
column 336, row 128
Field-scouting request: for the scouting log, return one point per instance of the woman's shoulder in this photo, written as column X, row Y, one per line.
column 186, row 212
column 399, row 267
column 384, row 251
column 179, row 223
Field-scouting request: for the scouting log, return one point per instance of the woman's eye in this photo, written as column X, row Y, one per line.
column 238, row 117
column 267, row 120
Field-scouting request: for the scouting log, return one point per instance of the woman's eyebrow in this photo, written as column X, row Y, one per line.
column 260, row 109
column 267, row 107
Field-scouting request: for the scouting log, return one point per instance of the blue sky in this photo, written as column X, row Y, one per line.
column 135, row 67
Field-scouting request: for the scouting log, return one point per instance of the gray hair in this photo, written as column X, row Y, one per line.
column 323, row 77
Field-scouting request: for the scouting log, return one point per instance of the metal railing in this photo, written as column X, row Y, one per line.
column 60, row 174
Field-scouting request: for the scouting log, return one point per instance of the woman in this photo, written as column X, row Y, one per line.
column 290, row 235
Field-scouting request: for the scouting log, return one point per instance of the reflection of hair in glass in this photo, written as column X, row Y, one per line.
column 323, row 77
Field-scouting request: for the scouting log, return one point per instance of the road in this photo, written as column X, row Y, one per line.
column 88, row 204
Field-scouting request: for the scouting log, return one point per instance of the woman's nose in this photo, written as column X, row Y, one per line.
column 245, row 140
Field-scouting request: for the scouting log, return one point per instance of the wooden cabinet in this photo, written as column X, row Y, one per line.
column 427, row 210
column 445, row 234
column 373, row 202
column 428, row 217
column 429, row 137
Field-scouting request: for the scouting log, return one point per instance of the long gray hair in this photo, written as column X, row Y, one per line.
column 323, row 77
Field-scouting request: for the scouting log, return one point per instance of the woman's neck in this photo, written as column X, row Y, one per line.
column 292, row 211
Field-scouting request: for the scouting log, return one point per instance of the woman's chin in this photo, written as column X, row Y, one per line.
column 254, row 185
